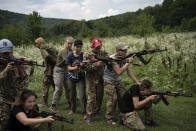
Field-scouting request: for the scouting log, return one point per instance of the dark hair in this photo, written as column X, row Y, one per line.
column 146, row 84
column 25, row 95
column 133, row 86
column 78, row 42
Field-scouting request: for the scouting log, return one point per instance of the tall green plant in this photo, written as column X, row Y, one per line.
column 34, row 26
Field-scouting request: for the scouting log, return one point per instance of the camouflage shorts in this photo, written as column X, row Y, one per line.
column 132, row 120
column 4, row 115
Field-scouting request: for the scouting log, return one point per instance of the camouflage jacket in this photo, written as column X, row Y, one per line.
column 60, row 62
column 49, row 55
column 91, row 70
column 11, row 84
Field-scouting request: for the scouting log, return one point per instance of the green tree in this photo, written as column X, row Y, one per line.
column 192, row 24
column 13, row 33
column 143, row 25
column 34, row 26
column 84, row 31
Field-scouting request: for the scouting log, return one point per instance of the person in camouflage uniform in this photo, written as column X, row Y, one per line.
column 131, row 102
column 113, row 83
column 12, row 82
column 94, row 79
column 49, row 55
column 60, row 74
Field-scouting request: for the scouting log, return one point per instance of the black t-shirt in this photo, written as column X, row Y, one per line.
column 125, row 104
column 14, row 124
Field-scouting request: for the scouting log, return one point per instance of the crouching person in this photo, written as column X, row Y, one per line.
column 20, row 116
column 132, row 101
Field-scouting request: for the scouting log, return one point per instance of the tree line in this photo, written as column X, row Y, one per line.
column 170, row 16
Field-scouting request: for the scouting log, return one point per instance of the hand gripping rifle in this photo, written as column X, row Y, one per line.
column 19, row 61
column 169, row 93
column 108, row 60
column 45, row 114
column 55, row 116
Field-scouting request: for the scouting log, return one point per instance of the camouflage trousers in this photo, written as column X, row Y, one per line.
column 47, row 82
column 4, row 115
column 95, row 92
column 113, row 89
column 73, row 93
column 60, row 80
column 132, row 119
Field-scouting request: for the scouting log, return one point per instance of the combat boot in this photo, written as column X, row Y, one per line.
column 45, row 102
column 89, row 121
column 53, row 108
column 151, row 123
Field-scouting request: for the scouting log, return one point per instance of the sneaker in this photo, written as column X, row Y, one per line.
column 53, row 108
column 71, row 113
column 89, row 121
column 111, row 122
column 151, row 123
column 84, row 116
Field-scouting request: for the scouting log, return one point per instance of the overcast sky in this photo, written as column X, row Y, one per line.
column 76, row 9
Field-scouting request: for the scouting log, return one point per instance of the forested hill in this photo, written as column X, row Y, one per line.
column 170, row 16
column 7, row 17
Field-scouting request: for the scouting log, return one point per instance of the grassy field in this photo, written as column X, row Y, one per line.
column 172, row 70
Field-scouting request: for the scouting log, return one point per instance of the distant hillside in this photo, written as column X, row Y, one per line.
column 7, row 17
column 170, row 16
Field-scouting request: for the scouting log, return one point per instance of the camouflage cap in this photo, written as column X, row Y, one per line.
column 121, row 46
column 6, row 46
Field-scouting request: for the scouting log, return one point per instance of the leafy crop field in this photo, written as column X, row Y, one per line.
column 173, row 70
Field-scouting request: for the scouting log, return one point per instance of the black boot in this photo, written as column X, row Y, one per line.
column 120, row 120
column 151, row 123
column 53, row 108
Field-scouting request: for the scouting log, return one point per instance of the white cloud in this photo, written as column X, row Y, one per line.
column 75, row 9
column 110, row 12
column 60, row 9
column 113, row 12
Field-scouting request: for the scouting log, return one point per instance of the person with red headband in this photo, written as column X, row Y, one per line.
column 94, row 79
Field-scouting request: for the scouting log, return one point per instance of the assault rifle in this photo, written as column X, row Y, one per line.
column 55, row 116
column 169, row 93
column 108, row 60
column 19, row 61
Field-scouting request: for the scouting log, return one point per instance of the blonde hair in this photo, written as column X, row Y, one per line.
column 68, row 39
column 40, row 41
